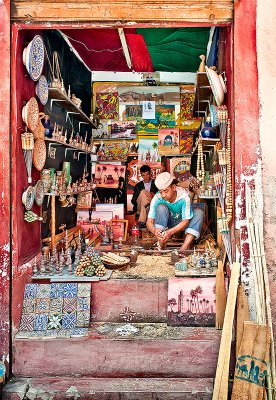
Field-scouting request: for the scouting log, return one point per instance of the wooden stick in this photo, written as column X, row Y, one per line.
column 220, row 294
column 221, row 381
column 53, row 223
column 242, row 315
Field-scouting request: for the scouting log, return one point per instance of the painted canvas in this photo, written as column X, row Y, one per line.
column 113, row 151
column 166, row 116
column 147, row 127
column 107, row 175
column 168, row 141
column 107, row 105
column 187, row 100
column 186, row 139
column 89, row 223
column 122, row 129
column 133, row 111
column 102, row 131
column 192, row 301
column 148, row 152
column 159, row 94
column 180, row 166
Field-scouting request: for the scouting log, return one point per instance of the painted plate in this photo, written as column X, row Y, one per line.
column 35, row 60
column 42, row 90
column 30, row 114
column 39, row 154
column 28, row 198
column 214, row 115
column 39, row 193
column 216, row 86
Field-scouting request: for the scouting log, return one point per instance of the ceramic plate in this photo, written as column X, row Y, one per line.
column 28, row 198
column 30, row 114
column 36, row 58
column 39, row 193
column 42, row 90
column 216, row 86
column 39, row 154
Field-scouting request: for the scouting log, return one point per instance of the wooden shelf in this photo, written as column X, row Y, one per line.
column 67, row 104
column 202, row 95
column 66, row 145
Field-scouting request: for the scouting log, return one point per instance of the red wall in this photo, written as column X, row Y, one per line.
column 5, row 208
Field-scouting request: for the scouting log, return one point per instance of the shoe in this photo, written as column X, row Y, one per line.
column 142, row 225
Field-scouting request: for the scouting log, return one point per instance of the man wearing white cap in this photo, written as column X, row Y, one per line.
column 171, row 211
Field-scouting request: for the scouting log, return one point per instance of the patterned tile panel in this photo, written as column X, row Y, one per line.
column 84, row 289
column 54, row 321
column 69, row 321
column 70, row 290
column 30, row 290
column 83, row 319
column 69, row 304
column 56, row 305
column 56, row 290
column 43, row 290
column 27, row 322
column 29, row 306
column 41, row 321
column 43, row 305
column 83, row 304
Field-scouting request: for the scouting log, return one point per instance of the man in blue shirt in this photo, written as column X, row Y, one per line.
column 171, row 211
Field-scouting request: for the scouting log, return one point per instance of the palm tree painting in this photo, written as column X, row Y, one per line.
column 195, row 301
column 107, row 175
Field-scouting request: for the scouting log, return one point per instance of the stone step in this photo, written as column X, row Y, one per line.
column 59, row 388
column 118, row 350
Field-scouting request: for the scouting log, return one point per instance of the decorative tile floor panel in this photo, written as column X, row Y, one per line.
column 55, row 310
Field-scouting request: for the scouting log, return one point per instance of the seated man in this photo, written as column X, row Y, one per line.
column 171, row 211
column 143, row 193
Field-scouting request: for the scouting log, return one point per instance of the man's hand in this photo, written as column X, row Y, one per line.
column 165, row 236
column 158, row 233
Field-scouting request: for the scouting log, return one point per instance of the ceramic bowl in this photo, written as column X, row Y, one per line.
column 215, row 81
column 42, row 90
column 214, row 115
column 33, row 57
column 28, row 198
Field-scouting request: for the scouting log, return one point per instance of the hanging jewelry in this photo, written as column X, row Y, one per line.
column 229, row 201
column 200, row 170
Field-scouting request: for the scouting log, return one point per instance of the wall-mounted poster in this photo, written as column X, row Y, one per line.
column 147, row 127
column 166, row 116
column 122, row 129
column 133, row 111
column 107, row 105
column 180, row 167
column 186, row 139
column 187, row 100
column 192, row 301
column 107, row 175
column 159, row 94
column 168, row 141
column 148, row 109
column 113, row 151
column 102, row 131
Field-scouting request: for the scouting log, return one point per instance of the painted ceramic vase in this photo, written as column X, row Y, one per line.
column 66, row 171
column 33, row 57
column 208, row 132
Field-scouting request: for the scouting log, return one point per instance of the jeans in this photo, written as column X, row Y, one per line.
column 164, row 220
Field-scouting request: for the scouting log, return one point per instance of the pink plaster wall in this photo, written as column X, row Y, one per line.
column 266, row 48
column 4, row 180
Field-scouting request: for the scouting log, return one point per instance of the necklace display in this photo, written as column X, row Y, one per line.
column 200, row 169
column 229, row 201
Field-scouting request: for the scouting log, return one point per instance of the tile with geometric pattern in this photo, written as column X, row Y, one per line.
column 42, row 306
column 56, row 290
column 43, row 290
column 27, row 322
column 83, row 319
column 41, row 321
column 56, row 305
column 54, row 321
column 30, row 290
column 70, row 290
column 83, row 304
column 84, row 289
column 69, row 305
column 69, row 321
column 29, row 306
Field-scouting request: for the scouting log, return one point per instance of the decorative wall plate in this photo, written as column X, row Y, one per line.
column 39, row 154
column 215, row 82
column 41, row 90
column 28, row 198
column 33, row 57
column 30, row 114
column 39, row 193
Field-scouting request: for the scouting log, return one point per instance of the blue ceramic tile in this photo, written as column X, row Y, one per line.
column 29, row 306
column 84, row 289
column 27, row 322
column 54, row 321
column 70, row 289
column 41, row 321
column 30, row 290
column 56, row 290
column 83, row 304
column 69, row 321
column 43, row 290
column 42, row 306
column 77, row 332
column 69, row 305
column 56, row 305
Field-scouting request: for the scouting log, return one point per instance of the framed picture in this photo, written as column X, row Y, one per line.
column 120, row 228
column 107, row 175
column 168, row 141
column 192, row 301
column 84, row 201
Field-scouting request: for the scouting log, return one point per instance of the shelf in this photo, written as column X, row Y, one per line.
column 68, row 194
column 202, row 95
column 65, row 277
column 206, row 143
column 53, row 141
column 58, row 96
column 207, row 197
